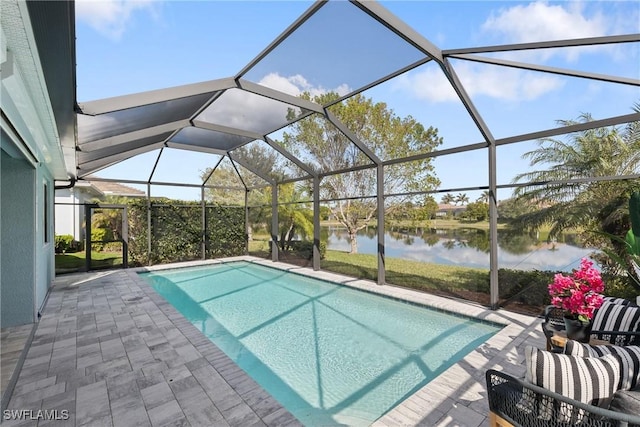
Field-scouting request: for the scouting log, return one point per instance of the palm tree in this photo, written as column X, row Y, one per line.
column 294, row 217
column 462, row 198
column 592, row 153
column 484, row 197
column 447, row 199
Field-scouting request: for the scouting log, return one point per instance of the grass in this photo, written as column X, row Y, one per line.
column 76, row 260
column 412, row 274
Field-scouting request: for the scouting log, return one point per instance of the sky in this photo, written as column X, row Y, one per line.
column 127, row 47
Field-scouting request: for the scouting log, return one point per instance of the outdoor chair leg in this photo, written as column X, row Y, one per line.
column 496, row 420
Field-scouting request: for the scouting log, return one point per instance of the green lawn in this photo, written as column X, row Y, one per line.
column 76, row 260
column 412, row 274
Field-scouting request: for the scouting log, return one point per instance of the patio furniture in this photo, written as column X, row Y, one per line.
column 516, row 402
column 588, row 385
column 617, row 322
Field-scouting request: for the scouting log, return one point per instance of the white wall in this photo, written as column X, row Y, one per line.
column 69, row 215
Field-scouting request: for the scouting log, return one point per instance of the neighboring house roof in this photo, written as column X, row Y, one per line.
column 104, row 188
column 450, row 207
column 116, row 189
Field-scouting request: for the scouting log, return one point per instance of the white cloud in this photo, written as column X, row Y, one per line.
column 244, row 110
column 111, row 17
column 478, row 80
column 540, row 21
column 430, row 84
column 296, row 84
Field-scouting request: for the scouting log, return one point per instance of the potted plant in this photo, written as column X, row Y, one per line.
column 629, row 260
column 579, row 295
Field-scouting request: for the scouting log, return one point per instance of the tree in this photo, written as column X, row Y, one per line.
column 230, row 184
column 228, row 190
column 590, row 205
column 448, row 199
column 484, row 197
column 295, row 218
column 107, row 222
column 462, row 198
column 511, row 209
column 319, row 143
column 596, row 207
column 429, row 208
column 476, row 211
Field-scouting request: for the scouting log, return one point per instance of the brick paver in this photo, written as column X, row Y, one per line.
column 110, row 351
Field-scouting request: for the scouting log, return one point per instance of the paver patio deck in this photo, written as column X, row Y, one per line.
column 110, row 351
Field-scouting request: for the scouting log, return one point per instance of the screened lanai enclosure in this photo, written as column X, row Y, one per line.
column 315, row 148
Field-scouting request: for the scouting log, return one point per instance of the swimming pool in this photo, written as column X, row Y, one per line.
column 328, row 353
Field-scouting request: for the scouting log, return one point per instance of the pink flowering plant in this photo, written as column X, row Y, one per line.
column 579, row 295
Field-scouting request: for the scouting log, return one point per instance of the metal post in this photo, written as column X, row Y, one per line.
column 149, row 230
column 380, row 202
column 125, row 238
column 493, row 231
column 316, row 223
column 203, row 244
column 246, row 222
column 87, row 236
column 274, row 222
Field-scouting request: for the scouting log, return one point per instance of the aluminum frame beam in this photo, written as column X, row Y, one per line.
column 302, row 165
column 587, row 41
column 352, row 137
column 277, row 95
column 124, row 102
column 283, row 36
column 546, row 69
column 124, row 138
column 389, row 20
column 225, row 129
column 103, row 162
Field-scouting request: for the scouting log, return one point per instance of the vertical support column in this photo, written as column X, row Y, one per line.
column 204, row 224
column 246, row 221
column 380, row 202
column 149, row 230
column 125, row 237
column 274, row 222
column 87, row 236
column 316, row 223
column 493, row 231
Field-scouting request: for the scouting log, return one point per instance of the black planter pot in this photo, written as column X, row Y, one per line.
column 577, row 330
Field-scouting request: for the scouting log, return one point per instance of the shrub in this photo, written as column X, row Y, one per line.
column 112, row 247
column 65, row 243
column 304, row 248
column 527, row 287
column 99, row 235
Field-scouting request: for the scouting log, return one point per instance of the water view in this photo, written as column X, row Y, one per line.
column 467, row 247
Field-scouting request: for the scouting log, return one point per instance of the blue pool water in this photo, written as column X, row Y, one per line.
column 328, row 353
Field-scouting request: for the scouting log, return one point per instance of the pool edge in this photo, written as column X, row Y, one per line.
column 459, row 392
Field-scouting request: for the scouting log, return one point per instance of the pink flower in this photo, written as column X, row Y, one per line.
column 580, row 293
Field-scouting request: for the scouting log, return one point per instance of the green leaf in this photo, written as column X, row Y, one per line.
column 633, row 243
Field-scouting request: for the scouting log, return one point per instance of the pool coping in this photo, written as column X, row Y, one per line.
column 458, row 395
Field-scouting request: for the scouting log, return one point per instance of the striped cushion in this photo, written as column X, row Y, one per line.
column 590, row 380
column 617, row 317
column 629, row 359
column 620, row 301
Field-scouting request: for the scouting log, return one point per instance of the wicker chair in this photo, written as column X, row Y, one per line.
column 509, row 407
column 554, row 322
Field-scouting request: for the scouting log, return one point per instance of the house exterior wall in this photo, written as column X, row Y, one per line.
column 17, row 242
column 31, row 156
column 69, row 214
column 45, row 238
